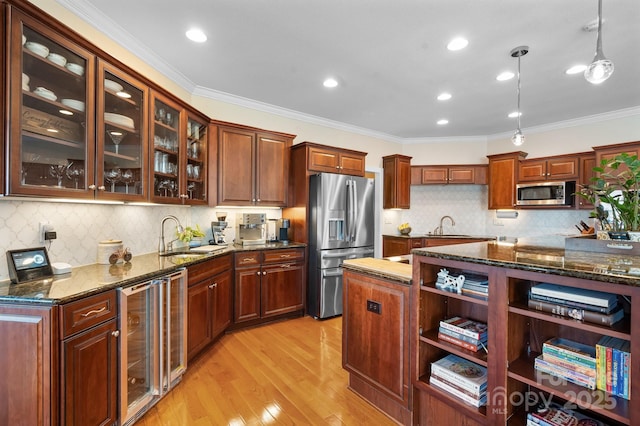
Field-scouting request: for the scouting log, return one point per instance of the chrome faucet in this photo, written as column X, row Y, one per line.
column 439, row 229
column 161, row 246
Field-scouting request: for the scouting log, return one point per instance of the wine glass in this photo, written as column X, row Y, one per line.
column 59, row 171
column 127, row 178
column 190, row 188
column 116, row 137
column 113, row 176
column 75, row 173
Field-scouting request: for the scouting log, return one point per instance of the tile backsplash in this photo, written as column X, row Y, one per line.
column 80, row 227
column 467, row 205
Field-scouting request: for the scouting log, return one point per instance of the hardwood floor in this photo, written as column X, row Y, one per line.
column 287, row 373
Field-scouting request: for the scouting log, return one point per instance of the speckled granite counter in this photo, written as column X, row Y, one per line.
column 395, row 271
column 542, row 257
column 445, row 236
column 86, row 280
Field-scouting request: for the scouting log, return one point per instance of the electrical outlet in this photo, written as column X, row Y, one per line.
column 43, row 227
column 497, row 222
column 374, row 307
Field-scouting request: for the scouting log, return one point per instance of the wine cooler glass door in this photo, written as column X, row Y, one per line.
column 139, row 362
column 175, row 339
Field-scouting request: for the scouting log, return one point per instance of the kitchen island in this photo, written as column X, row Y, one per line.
column 516, row 332
column 375, row 333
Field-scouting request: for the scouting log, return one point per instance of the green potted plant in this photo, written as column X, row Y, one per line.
column 617, row 183
column 191, row 236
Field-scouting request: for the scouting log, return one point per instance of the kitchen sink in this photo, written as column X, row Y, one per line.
column 448, row 236
column 183, row 258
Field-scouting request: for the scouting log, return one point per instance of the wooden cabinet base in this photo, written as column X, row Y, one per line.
column 378, row 399
column 434, row 412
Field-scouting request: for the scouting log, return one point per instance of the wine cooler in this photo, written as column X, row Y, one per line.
column 153, row 346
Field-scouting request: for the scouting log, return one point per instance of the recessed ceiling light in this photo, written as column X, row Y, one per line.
column 514, row 114
column 330, row 82
column 444, row 96
column 195, row 34
column 504, row 76
column 457, row 43
column 576, row 69
column 443, row 122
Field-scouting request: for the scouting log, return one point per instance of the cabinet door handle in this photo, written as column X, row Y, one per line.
column 264, row 273
column 101, row 188
column 93, row 312
column 92, row 187
column 258, row 273
column 115, row 333
column 214, row 285
column 259, row 200
column 286, row 265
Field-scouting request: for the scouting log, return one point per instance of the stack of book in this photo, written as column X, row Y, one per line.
column 461, row 378
column 586, row 305
column 568, row 360
column 613, row 364
column 556, row 415
column 476, row 286
column 463, row 332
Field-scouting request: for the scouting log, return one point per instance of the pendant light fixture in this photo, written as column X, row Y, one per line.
column 518, row 52
column 601, row 68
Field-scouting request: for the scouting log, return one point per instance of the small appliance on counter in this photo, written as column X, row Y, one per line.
column 217, row 229
column 284, row 227
column 251, row 228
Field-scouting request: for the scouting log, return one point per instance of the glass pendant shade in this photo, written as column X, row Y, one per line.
column 517, row 138
column 601, row 68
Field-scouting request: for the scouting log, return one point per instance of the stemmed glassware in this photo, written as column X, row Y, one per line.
column 116, row 137
column 127, row 178
column 113, row 176
column 74, row 174
column 59, row 171
column 190, row 188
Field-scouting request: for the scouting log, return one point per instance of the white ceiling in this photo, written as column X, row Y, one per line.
column 389, row 56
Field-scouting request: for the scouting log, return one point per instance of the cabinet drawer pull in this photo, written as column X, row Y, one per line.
column 115, row 333
column 286, row 265
column 214, row 285
column 285, row 256
column 247, row 260
column 93, row 312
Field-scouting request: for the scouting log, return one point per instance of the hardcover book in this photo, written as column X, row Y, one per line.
column 462, row 372
column 476, row 402
column 556, row 415
column 592, row 297
column 576, row 313
column 570, row 350
column 475, row 329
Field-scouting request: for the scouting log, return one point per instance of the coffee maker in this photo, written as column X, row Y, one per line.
column 283, row 226
column 217, row 229
column 251, row 228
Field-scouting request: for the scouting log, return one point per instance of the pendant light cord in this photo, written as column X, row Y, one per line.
column 519, row 113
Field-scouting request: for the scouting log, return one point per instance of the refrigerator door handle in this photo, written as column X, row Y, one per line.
column 354, row 186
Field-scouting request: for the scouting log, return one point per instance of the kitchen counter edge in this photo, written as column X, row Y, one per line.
column 92, row 279
column 393, row 271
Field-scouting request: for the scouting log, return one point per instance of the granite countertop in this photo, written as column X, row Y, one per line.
column 447, row 236
column 86, row 280
column 391, row 270
column 546, row 256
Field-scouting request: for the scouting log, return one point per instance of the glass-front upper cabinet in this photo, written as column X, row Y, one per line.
column 168, row 151
column 51, row 112
column 196, row 164
column 121, row 153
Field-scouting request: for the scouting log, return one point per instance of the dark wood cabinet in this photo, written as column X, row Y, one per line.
column 559, row 168
column 375, row 342
column 322, row 158
column 449, row 174
column 503, row 175
column 90, row 376
column 209, row 302
column 268, row 284
column 28, row 389
column 89, row 361
column 253, row 167
column 587, row 163
column 398, row 246
column 397, row 181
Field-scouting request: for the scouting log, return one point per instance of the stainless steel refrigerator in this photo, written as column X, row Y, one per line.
column 341, row 226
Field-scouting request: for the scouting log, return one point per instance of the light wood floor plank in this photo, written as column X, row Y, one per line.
column 287, row 373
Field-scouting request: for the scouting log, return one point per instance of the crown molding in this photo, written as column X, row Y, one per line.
column 112, row 29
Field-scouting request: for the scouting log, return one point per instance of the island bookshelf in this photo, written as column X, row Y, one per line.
column 515, row 337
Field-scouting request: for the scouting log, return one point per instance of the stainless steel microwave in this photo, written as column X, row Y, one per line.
column 546, row 193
